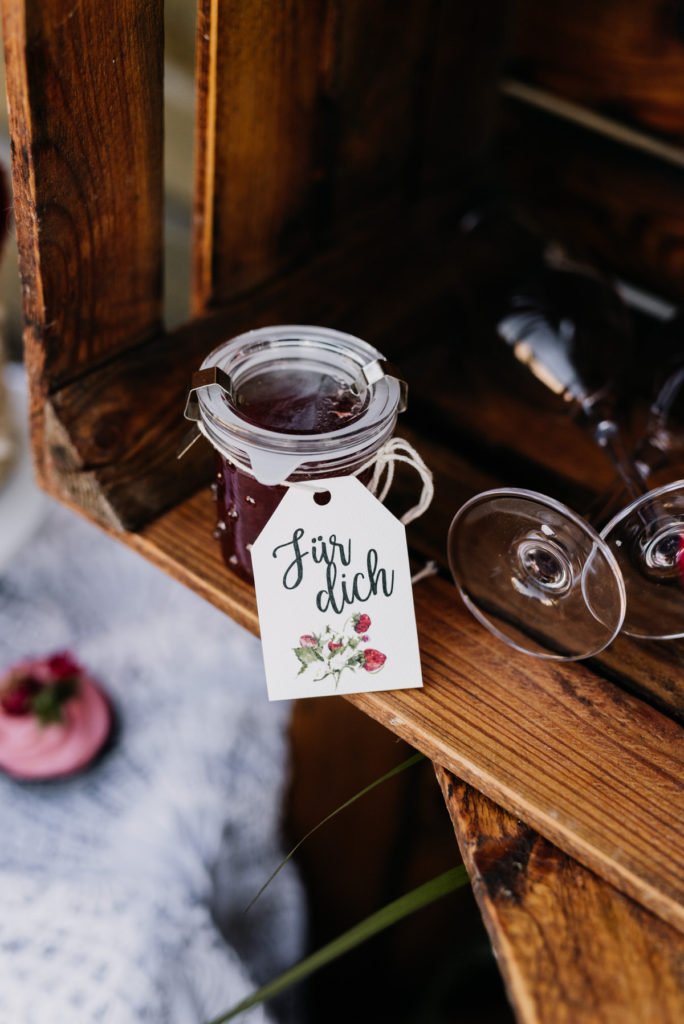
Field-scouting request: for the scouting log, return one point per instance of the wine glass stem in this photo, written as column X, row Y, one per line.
column 629, row 485
column 608, row 436
column 657, row 535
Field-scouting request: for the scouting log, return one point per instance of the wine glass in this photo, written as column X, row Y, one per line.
column 536, row 574
column 647, row 537
column 646, row 540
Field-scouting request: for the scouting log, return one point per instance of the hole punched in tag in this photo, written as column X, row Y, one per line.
column 322, row 497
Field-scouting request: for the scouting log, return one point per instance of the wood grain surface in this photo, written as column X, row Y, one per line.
column 572, row 949
column 259, row 67
column 593, row 769
column 313, row 159
column 379, row 92
column 317, row 120
column 84, row 85
column 466, row 59
column 511, row 430
column 612, row 204
column 85, row 95
column 624, row 58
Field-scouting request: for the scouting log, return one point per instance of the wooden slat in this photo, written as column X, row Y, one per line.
column 85, row 96
column 497, row 411
column 622, row 209
column 654, row 668
column 379, row 90
column 411, row 96
column 318, row 119
column 593, row 769
column 259, row 69
column 602, row 125
column 622, row 57
column 571, row 948
column 324, row 734
column 466, row 61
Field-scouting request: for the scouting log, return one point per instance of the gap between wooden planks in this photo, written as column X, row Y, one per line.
column 593, row 769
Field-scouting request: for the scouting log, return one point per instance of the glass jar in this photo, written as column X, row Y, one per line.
column 287, row 404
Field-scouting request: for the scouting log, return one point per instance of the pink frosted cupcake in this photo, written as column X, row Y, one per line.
column 54, row 719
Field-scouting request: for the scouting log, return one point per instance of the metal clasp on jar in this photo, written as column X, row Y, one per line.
column 369, row 374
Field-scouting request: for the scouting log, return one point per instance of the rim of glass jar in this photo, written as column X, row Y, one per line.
column 235, row 437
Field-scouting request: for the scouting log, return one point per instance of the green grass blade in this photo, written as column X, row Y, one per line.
column 395, row 911
column 414, row 759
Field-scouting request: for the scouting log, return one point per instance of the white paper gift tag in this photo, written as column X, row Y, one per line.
column 334, row 593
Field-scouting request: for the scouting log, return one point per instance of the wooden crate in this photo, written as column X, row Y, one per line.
column 337, row 142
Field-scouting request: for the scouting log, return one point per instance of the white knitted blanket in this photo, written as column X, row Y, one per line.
column 122, row 889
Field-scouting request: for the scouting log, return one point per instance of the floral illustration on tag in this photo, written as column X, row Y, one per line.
column 332, row 652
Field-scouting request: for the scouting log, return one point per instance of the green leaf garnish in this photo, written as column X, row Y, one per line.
column 48, row 703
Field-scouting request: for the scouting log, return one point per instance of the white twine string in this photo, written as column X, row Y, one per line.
column 429, row 569
column 384, row 461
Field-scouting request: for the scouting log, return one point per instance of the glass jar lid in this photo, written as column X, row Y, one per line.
column 276, row 399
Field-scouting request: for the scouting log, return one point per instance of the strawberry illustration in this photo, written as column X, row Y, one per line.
column 335, row 651
column 373, row 660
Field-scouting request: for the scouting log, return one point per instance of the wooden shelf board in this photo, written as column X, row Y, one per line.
column 593, row 769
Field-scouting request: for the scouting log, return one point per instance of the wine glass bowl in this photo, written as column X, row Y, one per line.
column 647, row 539
column 536, row 575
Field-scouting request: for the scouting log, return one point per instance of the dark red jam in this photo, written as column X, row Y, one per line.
column 300, row 402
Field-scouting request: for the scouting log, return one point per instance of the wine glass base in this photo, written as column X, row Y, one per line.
column 536, row 574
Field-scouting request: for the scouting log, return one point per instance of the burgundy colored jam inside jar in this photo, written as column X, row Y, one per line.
column 297, row 406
